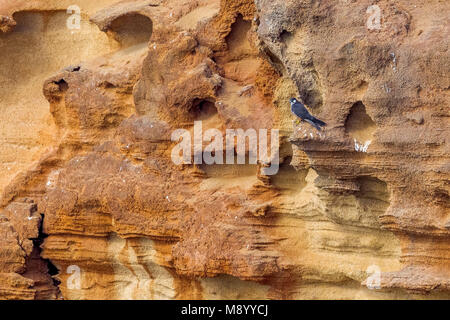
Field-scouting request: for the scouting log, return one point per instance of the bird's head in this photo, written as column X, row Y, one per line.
column 293, row 100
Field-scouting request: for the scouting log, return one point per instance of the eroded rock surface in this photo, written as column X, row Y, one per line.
column 93, row 207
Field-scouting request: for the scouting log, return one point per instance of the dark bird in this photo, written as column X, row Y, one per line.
column 300, row 111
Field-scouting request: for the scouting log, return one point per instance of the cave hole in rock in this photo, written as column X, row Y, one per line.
column 358, row 124
column 441, row 197
column 52, row 269
column 202, row 109
column 362, row 208
column 62, row 84
column 373, row 197
column 39, row 47
column 132, row 29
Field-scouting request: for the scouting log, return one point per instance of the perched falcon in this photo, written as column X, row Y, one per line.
column 300, row 111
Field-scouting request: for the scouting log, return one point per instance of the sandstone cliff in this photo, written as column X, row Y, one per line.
column 93, row 207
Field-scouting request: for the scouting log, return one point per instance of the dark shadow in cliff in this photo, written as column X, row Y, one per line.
column 202, row 109
column 373, row 194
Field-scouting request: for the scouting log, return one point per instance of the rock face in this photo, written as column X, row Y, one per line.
column 92, row 205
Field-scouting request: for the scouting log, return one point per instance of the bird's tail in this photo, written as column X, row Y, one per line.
column 316, row 123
